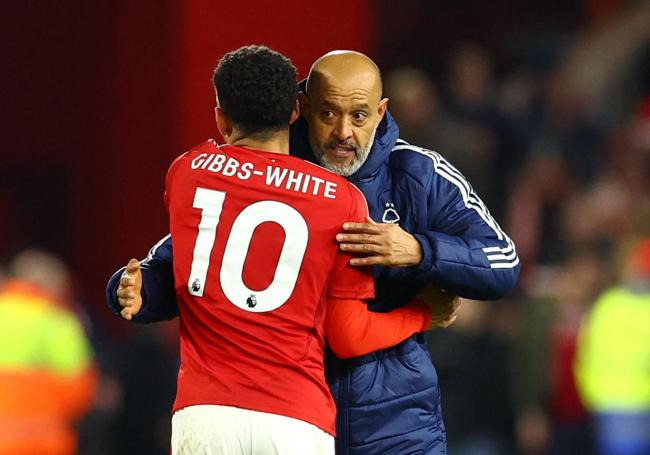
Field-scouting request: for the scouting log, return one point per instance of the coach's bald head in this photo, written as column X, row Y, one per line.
column 345, row 69
column 343, row 107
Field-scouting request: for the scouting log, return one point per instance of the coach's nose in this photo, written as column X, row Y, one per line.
column 343, row 130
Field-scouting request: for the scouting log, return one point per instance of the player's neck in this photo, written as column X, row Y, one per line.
column 278, row 143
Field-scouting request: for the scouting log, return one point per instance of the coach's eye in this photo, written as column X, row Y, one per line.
column 328, row 114
column 359, row 116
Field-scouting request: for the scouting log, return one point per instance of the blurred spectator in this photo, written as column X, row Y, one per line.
column 150, row 351
column 550, row 417
column 46, row 368
column 599, row 215
column 568, row 127
column 630, row 156
column 601, row 59
column 534, row 214
column 613, row 363
column 415, row 103
column 479, row 139
column 472, row 361
column 129, row 416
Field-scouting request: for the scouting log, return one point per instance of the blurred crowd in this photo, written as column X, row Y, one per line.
column 557, row 145
column 69, row 386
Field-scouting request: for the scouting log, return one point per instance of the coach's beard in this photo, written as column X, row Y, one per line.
column 360, row 155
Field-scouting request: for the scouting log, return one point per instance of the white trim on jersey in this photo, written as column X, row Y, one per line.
column 508, row 256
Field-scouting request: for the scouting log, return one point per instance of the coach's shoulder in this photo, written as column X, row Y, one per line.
column 416, row 162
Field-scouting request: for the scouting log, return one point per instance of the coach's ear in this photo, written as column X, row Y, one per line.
column 224, row 124
column 295, row 113
column 304, row 103
column 381, row 109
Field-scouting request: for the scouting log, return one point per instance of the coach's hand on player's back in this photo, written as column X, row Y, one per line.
column 128, row 292
column 382, row 243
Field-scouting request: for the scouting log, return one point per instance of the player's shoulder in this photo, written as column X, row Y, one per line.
column 358, row 200
column 207, row 146
column 346, row 189
column 321, row 172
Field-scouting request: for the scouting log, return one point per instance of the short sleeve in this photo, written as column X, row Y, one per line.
column 346, row 281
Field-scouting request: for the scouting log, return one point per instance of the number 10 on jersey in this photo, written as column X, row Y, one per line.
column 231, row 275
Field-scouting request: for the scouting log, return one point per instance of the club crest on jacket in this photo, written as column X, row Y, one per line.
column 390, row 214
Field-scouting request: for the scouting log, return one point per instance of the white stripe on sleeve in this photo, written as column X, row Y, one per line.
column 507, row 257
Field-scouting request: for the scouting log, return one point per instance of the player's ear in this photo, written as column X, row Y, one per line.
column 303, row 101
column 224, row 124
column 295, row 113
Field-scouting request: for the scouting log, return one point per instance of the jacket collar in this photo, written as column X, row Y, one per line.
column 385, row 139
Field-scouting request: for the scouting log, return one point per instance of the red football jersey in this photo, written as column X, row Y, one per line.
column 255, row 257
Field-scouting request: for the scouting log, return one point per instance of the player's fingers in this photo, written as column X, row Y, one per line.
column 133, row 266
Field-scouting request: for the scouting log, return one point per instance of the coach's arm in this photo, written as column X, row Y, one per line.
column 461, row 247
column 158, row 295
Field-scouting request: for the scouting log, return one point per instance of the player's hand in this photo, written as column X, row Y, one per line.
column 128, row 292
column 381, row 243
column 444, row 306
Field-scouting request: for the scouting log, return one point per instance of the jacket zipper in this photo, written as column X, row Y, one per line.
column 343, row 430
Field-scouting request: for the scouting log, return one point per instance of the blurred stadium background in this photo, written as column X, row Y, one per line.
column 545, row 106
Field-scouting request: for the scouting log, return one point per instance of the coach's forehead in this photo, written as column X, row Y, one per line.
column 345, row 73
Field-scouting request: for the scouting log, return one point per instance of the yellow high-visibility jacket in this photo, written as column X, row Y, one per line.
column 47, row 377
column 613, row 362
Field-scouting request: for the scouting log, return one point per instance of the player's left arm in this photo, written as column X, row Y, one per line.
column 352, row 330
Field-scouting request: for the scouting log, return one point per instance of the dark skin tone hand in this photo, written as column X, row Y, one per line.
column 444, row 306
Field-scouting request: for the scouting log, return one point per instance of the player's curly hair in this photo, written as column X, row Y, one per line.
column 257, row 89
